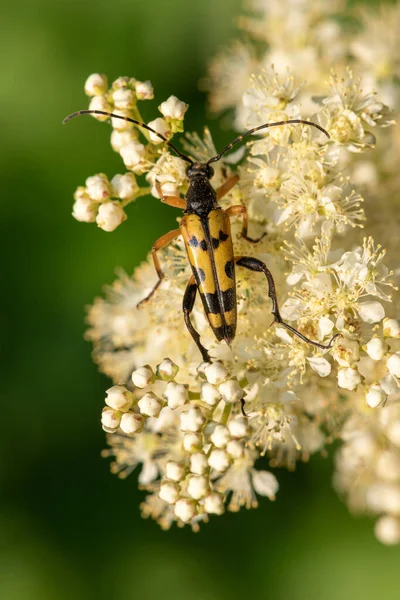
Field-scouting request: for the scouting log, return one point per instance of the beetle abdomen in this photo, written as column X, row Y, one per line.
column 209, row 247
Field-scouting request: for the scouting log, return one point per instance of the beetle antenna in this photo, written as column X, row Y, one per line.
column 102, row 112
column 278, row 123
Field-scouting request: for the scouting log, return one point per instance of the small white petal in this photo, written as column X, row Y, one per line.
column 265, row 483
column 346, row 352
column 371, row 312
column 320, row 365
column 389, row 385
column 325, row 327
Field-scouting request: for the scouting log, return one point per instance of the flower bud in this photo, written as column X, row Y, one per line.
column 96, row 85
column 198, row 463
column 265, row 484
column 376, row 348
column 149, row 405
column 216, row 373
column 348, row 379
column 124, row 186
column 144, row 90
column 173, row 108
column 192, row 442
column 169, row 492
column 175, row 471
column 393, row 364
column 131, row 423
column 214, row 504
column 167, row 370
column 121, row 124
column 238, row 426
column 391, row 328
column 198, row 486
column 375, row 396
column 119, row 398
column 133, row 154
column 192, row 419
column 162, row 127
column 185, row 509
column 110, row 215
column 124, row 98
column 119, row 139
column 235, row 448
column 98, row 187
column 387, row 530
column 220, row 436
column 219, row 460
column 209, row 394
column 176, row 395
column 143, row 377
column 110, row 419
column 231, row 391
column 85, row 210
column 100, row 103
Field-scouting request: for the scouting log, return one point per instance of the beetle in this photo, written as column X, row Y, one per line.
column 205, row 228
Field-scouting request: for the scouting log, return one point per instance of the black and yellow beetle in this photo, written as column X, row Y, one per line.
column 206, row 231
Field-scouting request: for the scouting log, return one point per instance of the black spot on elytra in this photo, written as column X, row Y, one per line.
column 203, row 245
column 223, row 236
column 215, row 243
column 213, row 305
column 230, row 269
column 201, row 274
column 193, row 242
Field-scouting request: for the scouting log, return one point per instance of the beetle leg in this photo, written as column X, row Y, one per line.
column 240, row 209
column 188, row 303
column 163, row 241
column 227, row 186
column 175, row 201
column 253, row 264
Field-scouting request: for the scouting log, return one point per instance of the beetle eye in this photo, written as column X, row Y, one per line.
column 210, row 172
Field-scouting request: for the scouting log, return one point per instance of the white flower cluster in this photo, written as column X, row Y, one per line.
column 310, row 195
column 103, row 201
column 191, row 442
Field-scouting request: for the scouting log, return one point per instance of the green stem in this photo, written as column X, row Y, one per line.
column 144, row 191
column 226, row 414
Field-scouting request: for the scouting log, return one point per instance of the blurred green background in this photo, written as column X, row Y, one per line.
column 68, row 529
